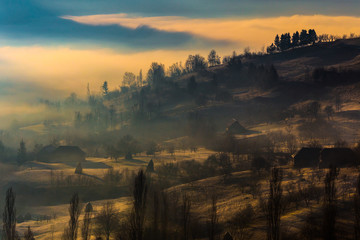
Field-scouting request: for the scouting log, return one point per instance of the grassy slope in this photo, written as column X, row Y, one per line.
column 291, row 65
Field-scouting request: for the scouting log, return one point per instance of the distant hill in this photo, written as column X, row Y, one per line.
column 248, row 90
column 293, row 64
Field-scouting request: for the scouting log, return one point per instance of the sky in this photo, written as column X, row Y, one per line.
column 49, row 49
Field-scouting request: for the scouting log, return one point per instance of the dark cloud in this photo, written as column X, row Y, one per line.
column 207, row 8
column 31, row 23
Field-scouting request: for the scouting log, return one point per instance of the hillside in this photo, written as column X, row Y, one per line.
column 249, row 92
column 209, row 132
column 293, row 64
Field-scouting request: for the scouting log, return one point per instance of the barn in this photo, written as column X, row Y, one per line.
column 338, row 157
column 45, row 154
column 61, row 154
column 307, row 158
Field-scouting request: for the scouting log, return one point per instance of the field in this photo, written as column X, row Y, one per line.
column 233, row 194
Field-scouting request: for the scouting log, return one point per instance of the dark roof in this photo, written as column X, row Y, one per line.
column 307, row 152
column 326, row 151
column 339, row 157
column 47, row 149
column 307, row 157
column 69, row 149
column 236, row 128
column 228, row 236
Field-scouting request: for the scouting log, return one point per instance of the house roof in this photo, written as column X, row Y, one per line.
column 307, row 157
column 48, row 149
column 228, row 236
column 328, row 152
column 308, row 153
column 236, row 127
column 340, row 157
column 69, row 149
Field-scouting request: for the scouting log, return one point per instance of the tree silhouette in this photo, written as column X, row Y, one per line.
column 312, row 36
column 195, row 63
column 192, row 85
column 271, row 48
column 329, row 110
column 127, row 146
column 129, row 79
column 28, row 234
column 9, row 216
column 313, row 110
column 140, row 79
column 304, row 39
column 105, row 89
column 164, row 217
column 150, row 167
column 274, row 205
column 71, row 231
column 213, row 58
column 22, row 155
column 329, row 205
column 107, row 220
column 175, row 70
column 137, row 216
column 86, row 226
column 185, row 216
column 357, row 210
column 285, row 41
column 277, row 42
column 156, row 74
column 295, row 39
column 213, row 218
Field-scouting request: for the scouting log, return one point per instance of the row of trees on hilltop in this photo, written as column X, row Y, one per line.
column 157, row 72
column 287, row 41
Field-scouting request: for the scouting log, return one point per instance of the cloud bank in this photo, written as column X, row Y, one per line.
column 23, row 22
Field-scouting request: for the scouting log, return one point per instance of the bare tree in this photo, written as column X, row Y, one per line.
column 329, row 110
column 86, row 226
column 241, row 222
column 225, row 165
column 274, row 204
column 213, row 218
column 309, row 229
column 329, row 205
column 155, row 216
column 9, row 216
column 28, row 234
column 313, row 110
column 139, row 206
column 70, row 233
column 338, row 103
column 164, row 216
column 185, row 216
column 291, row 144
column 107, row 220
column 357, row 210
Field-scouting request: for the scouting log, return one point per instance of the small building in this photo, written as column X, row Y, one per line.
column 61, row 154
column 236, row 128
column 338, row 157
column 44, row 155
column 307, row 158
column 68, row 154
